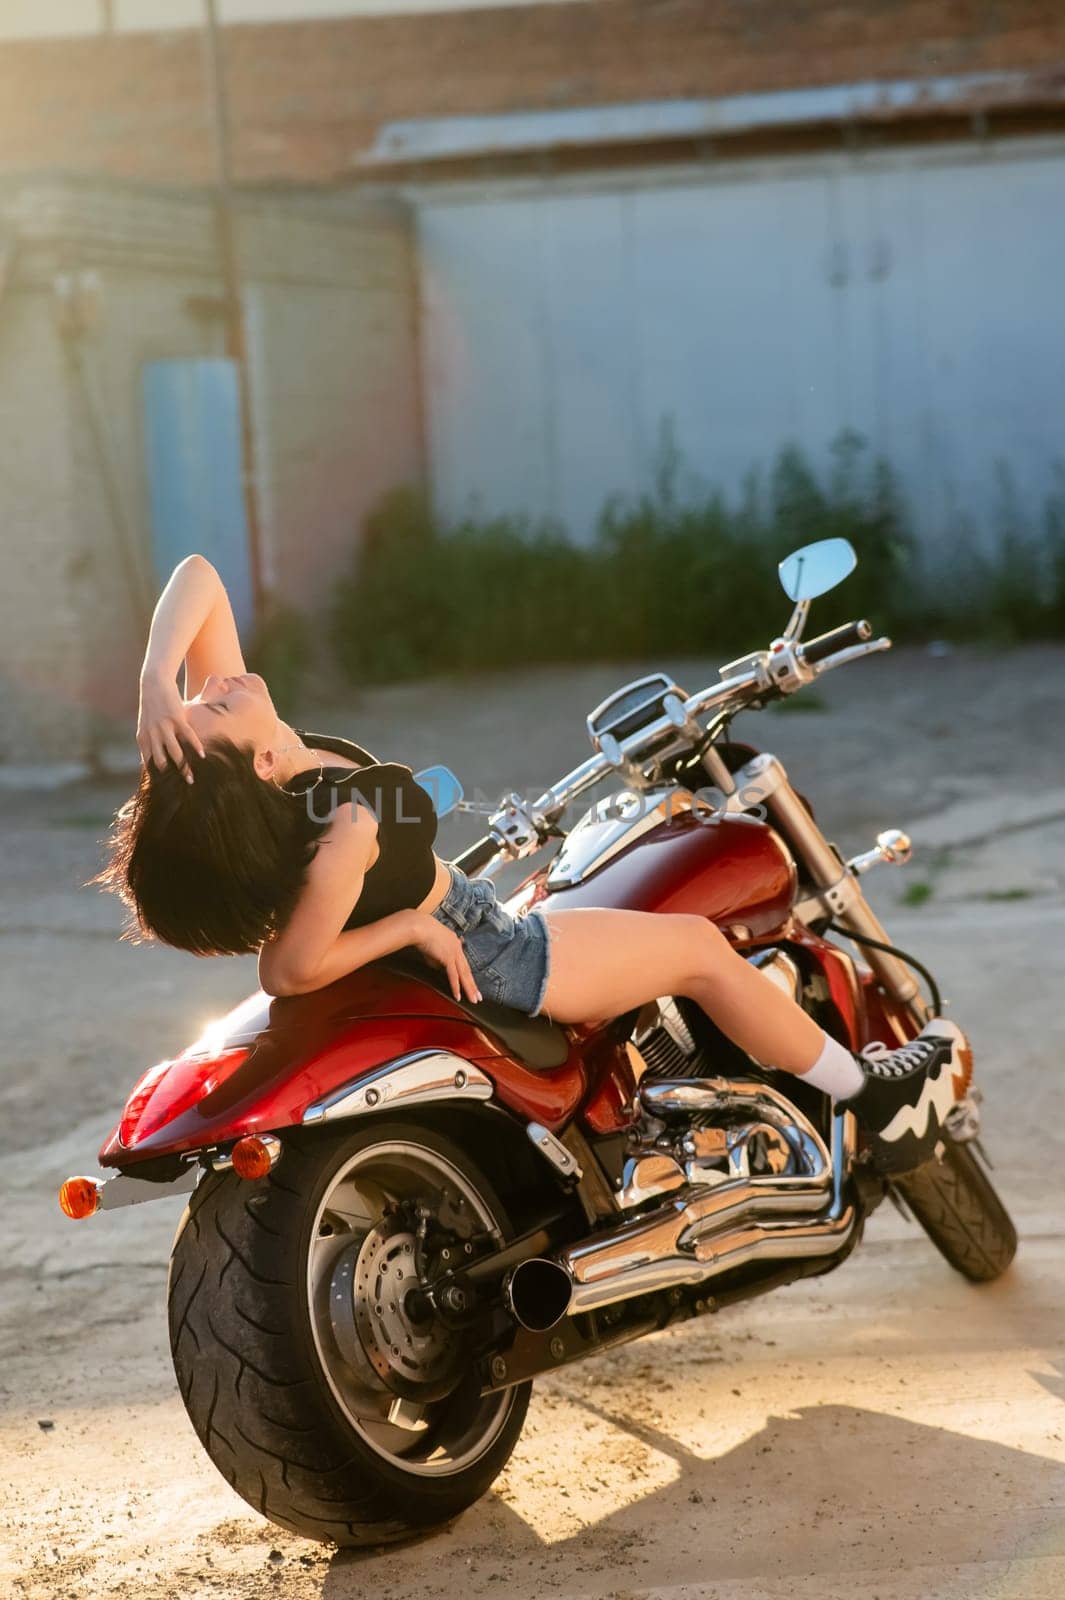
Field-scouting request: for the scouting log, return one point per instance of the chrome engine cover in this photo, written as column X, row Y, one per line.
column 714, row 1131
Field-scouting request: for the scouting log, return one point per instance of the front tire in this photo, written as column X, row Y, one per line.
column 336, row 1410
column 958, row 1207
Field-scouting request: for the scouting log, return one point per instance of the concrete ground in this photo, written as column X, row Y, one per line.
column 888, row 1432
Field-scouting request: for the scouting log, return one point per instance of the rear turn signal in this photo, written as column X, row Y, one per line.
column 254, row 1156
column 79, row 1198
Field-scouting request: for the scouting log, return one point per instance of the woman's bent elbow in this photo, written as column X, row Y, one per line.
column 281, row 982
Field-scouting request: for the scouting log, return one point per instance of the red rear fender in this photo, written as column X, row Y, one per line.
column 260, row 1067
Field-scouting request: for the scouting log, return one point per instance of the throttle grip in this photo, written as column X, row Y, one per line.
column 827, row 644
column 478, row 854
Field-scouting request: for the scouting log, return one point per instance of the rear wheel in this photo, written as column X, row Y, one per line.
column 958, row 1207
column 320, row 1380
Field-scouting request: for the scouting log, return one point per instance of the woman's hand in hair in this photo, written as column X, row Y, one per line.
column 162, row 726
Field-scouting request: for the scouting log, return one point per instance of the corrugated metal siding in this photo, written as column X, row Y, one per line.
column 915, row 296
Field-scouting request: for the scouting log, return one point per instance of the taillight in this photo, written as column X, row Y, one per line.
column 139, row 1097
column 156, row 1101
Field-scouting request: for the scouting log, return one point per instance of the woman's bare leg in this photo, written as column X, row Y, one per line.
column 604, row 962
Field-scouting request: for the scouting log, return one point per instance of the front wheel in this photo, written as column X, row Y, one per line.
column 319, row 1378
column 958, row 1207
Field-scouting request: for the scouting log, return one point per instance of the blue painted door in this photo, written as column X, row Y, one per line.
column 192, row 438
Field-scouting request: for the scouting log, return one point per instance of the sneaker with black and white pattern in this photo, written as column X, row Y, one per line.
column 908, row 1092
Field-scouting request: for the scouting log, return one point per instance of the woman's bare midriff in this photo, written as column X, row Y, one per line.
column 442, row 880
column 441, row 885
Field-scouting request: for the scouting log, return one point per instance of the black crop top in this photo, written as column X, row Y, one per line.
column 405, row 870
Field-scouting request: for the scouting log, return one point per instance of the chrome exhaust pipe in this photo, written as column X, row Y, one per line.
column 537, row 1293
column 689, row 1241
column 682, row 1243
column 698, row 1235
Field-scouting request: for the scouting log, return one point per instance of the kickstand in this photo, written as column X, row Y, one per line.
column 899, row 1203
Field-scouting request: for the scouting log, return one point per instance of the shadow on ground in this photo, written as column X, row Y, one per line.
column 828, row 1487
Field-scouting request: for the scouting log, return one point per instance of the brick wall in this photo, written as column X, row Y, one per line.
column 332, row 348
column 42, row 651
column 308, row 97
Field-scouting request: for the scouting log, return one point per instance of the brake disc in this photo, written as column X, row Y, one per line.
column 383, row 1323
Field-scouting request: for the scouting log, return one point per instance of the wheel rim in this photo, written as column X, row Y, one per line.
column 393, row 1368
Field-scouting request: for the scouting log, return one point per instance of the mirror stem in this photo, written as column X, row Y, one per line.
column 797, row 621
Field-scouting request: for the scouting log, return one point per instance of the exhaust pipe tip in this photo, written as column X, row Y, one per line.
column 537, row 1293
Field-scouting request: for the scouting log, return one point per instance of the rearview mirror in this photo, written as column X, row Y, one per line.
column 442, row 787
column 816, row 568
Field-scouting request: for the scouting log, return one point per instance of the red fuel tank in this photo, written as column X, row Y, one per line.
column 736, row 871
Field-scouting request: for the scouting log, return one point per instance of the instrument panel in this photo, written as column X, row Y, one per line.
column 631, row 707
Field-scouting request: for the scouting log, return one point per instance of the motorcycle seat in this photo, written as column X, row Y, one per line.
column 536, row 1042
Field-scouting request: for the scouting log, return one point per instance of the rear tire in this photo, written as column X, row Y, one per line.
column 958, row 1207
column 275, row 1401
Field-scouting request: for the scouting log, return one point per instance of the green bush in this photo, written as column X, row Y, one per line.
column 668, row 574
column 1005, row 590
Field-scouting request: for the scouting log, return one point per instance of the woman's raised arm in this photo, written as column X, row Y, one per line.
column 193, row 619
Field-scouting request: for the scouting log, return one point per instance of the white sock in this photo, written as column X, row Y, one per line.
column 835, row 1071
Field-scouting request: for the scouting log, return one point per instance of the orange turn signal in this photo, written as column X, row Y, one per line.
column 253, row 1157
column 79, row 1198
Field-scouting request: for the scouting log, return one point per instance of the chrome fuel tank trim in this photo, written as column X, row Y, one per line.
column 601, row 833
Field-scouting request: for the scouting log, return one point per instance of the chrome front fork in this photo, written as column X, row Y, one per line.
column 838, row 892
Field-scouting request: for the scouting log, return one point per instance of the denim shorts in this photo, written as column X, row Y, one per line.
column 510, row 957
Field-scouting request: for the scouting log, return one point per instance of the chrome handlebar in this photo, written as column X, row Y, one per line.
column 521, row 829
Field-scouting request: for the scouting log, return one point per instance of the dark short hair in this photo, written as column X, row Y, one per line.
column 213, row 867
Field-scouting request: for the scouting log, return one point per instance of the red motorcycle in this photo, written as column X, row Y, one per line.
column 405, row 1207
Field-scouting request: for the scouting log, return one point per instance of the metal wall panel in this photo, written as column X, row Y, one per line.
column 914, row 296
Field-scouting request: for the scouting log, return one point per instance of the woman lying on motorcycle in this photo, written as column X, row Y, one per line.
column 218, row 852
